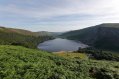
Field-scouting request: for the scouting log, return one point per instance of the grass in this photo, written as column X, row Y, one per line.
column 18, row 62
column 72, row 55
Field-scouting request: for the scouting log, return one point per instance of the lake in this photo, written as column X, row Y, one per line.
column 60, row 44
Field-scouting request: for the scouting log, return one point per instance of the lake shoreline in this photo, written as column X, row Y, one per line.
column 60, row 44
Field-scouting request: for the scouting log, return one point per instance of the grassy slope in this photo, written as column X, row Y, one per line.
column 22, row 63
column 72, row 55
column 25, row 38
column 26, row 32
column 19, row 31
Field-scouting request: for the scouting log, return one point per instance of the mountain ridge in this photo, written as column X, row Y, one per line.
column 11, row 36
column 99, row 36
column 27, row 32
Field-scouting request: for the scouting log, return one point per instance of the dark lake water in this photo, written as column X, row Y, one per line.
column 60, row 44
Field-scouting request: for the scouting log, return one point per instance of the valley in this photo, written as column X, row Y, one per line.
column 27, row 55
column 59, row 39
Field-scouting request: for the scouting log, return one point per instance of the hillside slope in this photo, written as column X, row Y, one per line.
column 104, row 36
column 11, row 36
column 22, row 63
column 19, row 31
column 26, row 32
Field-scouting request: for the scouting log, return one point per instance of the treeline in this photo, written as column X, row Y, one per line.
column 99, row 54
column 29, row 41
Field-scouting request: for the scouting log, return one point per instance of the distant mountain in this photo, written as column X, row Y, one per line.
column 103, row 36
column 48, row 33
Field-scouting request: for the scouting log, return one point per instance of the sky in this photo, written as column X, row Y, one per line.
column 57, row 15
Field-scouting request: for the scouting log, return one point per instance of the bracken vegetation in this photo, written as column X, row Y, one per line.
column 22, row 63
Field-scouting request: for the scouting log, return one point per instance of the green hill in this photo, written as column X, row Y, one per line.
column 11, row 36
column 104, row 36
column 26, row 32
column 19, row 31
column 22, row 63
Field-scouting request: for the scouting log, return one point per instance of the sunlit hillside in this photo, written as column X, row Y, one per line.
column 9, row 36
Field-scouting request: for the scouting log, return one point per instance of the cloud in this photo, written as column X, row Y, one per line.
column 45, row 9
column 66, row 13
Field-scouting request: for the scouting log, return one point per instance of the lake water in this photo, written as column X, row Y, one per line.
column 60, row 44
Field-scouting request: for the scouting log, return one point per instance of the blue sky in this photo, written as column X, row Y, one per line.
column 57, row 15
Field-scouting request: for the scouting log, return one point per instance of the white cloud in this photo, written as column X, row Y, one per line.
column 99, row 11
column 91, row 7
